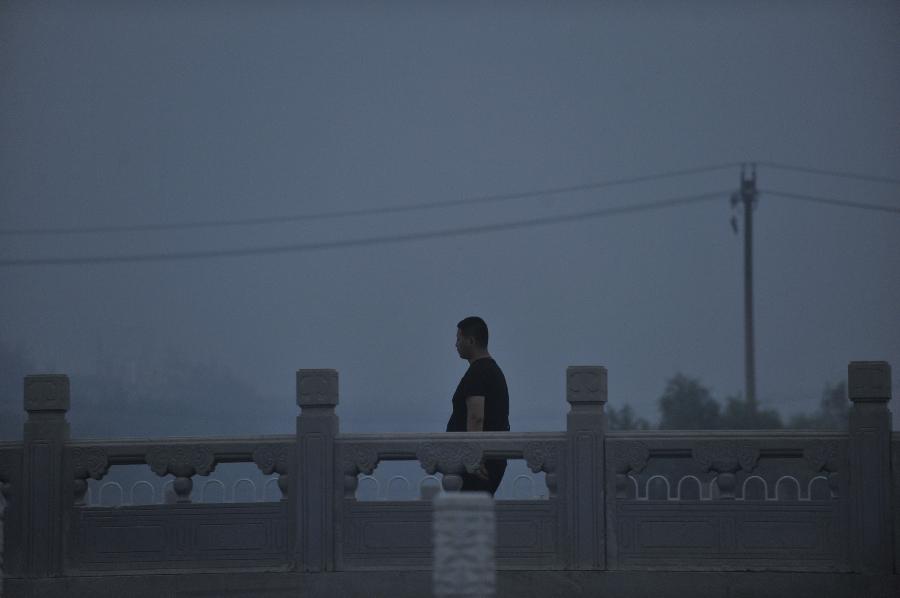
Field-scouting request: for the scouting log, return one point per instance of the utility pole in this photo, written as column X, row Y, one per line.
column 747, row 196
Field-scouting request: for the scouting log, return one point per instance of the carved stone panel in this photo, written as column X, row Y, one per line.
column 730, row 536
column 182, row 461
column 542, row 456
column 89, row 462
column 449, row 458
column 823, row 455
column 726, row 457
column 628, row 456
column 359, row 458
column 272, row 459
column 179, row 536
column 275, row 459
column 398, row 536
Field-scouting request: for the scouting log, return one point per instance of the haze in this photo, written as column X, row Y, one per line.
column 164, row 112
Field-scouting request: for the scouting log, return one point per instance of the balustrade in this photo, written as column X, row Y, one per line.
column 713, row 500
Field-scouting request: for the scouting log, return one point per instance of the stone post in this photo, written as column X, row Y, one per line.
column 45, row 488
column 464, row 532
column 869, row 388
column 586, row 431
column 317, row 426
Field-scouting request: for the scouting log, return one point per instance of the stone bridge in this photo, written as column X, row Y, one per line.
column 662, row 513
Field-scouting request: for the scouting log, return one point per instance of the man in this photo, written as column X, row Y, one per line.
column 481, row 401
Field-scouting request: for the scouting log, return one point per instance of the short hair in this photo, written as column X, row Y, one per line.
column 474, row 327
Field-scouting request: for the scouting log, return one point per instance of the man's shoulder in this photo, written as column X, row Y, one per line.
column 485, row 364
column 486, row 368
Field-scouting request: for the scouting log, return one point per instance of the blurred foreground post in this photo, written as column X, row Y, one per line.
column 464, row 532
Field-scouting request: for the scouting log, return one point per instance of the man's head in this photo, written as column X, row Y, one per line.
column 471, row 337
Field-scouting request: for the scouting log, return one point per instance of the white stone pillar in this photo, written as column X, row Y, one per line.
column 464, row 533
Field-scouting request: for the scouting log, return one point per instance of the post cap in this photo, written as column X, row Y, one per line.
column 317, row 388
column 869, row 381
column 586, row 384
column 46, row 392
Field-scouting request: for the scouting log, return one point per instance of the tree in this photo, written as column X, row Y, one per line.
column 739, row 414
column 625, row 419
column 833, row 412
column 687, row 405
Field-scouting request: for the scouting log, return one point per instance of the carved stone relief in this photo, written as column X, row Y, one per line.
column 89, row 462
column 825, row 455
column 543, row 456
column 451, row 459
column 356, row 459
column 275, row 459
column 726, row 458
column 624, row 458
column 183, row 462
column 628, row 456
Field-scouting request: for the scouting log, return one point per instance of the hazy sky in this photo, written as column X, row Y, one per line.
column 159, row 112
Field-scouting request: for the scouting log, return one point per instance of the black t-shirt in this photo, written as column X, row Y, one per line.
column 484, row 378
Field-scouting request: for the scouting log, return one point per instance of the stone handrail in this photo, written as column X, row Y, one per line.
column 181, row 457
column 450, row 453
column 726, row 460
column 611, row 505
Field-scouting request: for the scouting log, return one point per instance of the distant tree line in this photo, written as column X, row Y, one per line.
column 172, row 395
column 168, row 395
column 686, row 404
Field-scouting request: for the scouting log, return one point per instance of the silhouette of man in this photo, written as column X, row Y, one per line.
column 481, row 400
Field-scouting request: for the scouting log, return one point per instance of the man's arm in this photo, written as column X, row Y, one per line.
column 475, row 414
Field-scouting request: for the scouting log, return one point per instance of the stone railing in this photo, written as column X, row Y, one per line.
column 768, row 500
column 723, row 500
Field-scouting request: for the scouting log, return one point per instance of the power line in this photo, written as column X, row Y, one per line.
column 834, row 202
column 369, row 241
column 160, row 226
column 834, row 173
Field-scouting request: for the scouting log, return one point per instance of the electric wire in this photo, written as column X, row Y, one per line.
column 236, row 222
column 369, row 241
column 834, row 202
column 833, row 173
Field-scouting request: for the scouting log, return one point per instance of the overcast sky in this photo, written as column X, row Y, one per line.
column 162, row 112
